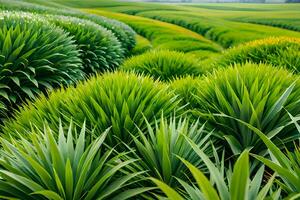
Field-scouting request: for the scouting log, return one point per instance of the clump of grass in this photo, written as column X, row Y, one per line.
column 280, row 51
column 41, row 166
column 164, row 64
column 34, row 56
column 158, row 149
column 256, row 94
column 186, row 88
column 123, row 32
column 100, row 49
column 118, row 100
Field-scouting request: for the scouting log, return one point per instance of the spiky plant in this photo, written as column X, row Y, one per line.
column 280, row 51
column 119, row 100
column 164, row 64
column 286, row 164
column 100, row 49
column 34, row 56
column 229, row 185
column 43, row 167
column 186, row 88
column 157, row 149
column 123, row 32
column 256, row 94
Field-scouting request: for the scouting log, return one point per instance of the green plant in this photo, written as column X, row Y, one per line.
column 123, row 32
column 45, row 168
column 281, row 51
column 34, row 56
column 119, row 100
column 100, row 50
column 157, row 149
column 256, row 94
column 164, row 65
column 229, row 184
column 286, row 165
column 142, row 45
column 186, row 88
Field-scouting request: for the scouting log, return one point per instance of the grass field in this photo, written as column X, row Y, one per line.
column 115, row 100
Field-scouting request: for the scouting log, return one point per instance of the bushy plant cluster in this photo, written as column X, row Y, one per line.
column 100, row 49
column 164, row 65
column 164, row 126
column 35, row 56
column 277, row 51
column 123, row 32
column 41, row 52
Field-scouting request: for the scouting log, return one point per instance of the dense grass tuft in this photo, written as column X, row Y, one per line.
column 259, row 95
column 34, row 56
column 118, row 100
column 281, row 51
column 164, row 64
column 100, row 49
column 41, row 166
column 158, row 149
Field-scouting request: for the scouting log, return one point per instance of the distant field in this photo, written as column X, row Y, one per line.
column 225, row 24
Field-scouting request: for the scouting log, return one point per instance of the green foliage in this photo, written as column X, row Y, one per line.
column 157, row 149
column 186, row 88
column 123, row 32
column 287, row 166
column 163, row 35
column 225, row 32
column 34, row 56
column 256, row 94
column 236, row 185
column 100, row 49
column 45, row 168
column 281, row 51
column 164, row 65
column 142, row 45
column 118, row 100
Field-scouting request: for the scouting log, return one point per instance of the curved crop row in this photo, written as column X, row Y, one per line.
column 227, row 33
column 164, row 35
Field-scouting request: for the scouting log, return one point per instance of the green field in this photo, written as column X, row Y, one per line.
column 115, row 100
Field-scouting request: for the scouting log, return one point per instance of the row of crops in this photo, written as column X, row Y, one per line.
column 91, row 110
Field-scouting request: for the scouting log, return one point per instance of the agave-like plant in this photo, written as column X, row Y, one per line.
column 164, row 64
column 34, row 56
column 256, row 94
column 100, row 49
column 277, row 51
column 223, row 185
column 43, row 167
column 119, row 100
column 157, row 149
